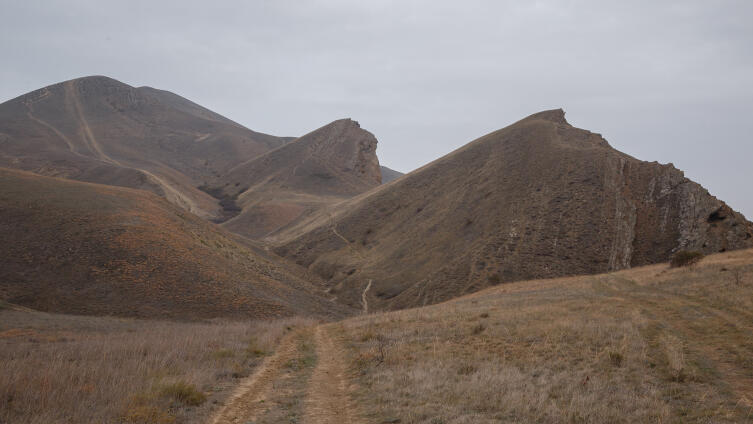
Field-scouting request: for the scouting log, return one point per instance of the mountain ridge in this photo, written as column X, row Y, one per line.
column 314, row 171
column 536, row 199
column 98, row 129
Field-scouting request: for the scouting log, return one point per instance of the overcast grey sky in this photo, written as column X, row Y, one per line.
column 670, row 81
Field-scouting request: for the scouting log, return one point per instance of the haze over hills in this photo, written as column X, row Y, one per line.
column 537, row 199
column 82, row 248
column 100, row 130
column 328, row 165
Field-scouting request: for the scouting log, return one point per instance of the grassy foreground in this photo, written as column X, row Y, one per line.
column 72, row 369
column 651, row 344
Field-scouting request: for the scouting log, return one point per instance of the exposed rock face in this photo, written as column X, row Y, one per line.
column 316, row 170
column 539, row 198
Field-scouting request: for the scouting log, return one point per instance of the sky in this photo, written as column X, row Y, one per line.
column 667, row 81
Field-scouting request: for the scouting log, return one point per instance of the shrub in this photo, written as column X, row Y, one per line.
column 222, row 354
column 685, row 258
column 183, row 392
column 478, row 329
column 467, row 369
column 370, row 335
column 616, row 358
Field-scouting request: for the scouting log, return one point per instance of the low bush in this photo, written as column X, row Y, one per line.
column 685, row 258
column 183, row 392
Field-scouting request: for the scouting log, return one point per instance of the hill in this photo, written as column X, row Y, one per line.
column 536, row 199
column 97, row 129
column 649, row 344
column 82, row 248
column 285, row 185
column 390, row 174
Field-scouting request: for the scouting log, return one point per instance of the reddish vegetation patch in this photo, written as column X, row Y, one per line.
column 92, row 249
column 17, row 332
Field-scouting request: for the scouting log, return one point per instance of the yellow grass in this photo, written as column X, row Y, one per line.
column 70, row 369
column 652, row 344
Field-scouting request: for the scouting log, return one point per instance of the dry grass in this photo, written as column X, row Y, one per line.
column 71, row 369
column 647, row 345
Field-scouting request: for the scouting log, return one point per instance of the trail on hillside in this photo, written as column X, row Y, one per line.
column 364, row 299
column 327, row 399
column 172, row 194
column 89, row 138
column 247, row 401
column 45, row 124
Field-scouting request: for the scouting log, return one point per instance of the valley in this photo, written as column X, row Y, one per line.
column 164, row 264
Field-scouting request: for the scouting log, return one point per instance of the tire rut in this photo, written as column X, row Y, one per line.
column 246, row 403
column 328, row 397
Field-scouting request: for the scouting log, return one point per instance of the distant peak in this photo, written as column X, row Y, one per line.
column 98, row 79
column 555, row 115
column 348, row 122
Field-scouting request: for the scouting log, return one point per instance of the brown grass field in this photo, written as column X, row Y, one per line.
column 652, row 344
column 73, row 369
column 649, row 345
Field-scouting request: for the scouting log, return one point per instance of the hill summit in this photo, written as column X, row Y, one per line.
column 321, row 168
column 100, row 130
column 537, row 199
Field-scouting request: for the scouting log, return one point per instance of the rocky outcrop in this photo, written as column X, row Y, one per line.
column 537, row 199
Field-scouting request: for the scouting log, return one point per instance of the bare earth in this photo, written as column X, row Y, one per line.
column 324, row 393
column 248, row 399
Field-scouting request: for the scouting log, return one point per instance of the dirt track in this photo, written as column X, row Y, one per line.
column 327, row 400
column 246, row 403
column 325, row 395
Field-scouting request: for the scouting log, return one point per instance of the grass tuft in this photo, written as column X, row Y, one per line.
column 183, row 392
column 478, row 329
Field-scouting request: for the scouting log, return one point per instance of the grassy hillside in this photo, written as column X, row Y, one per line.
column 285, row 185
column 651, row 344
column 100, row 130
column 537, row 199
column 74, row 369
column 81, row 248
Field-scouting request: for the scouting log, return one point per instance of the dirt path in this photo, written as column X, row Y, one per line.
column 364, row 299
column 172, row 194
column 247, row 401
column 327, row 399
column 289, row 386
column 89, row 138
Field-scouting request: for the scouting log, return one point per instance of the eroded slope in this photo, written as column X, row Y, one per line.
column 539, row 198
column 84, row 248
